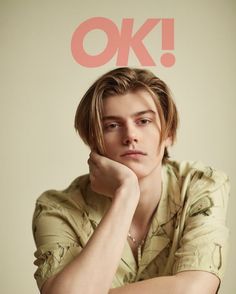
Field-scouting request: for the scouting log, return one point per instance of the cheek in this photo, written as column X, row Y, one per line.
column 153, row 131
column 111, row 141
column 153, row 137
column 161, row 150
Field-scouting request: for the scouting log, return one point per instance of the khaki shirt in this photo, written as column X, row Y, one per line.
column 187, row 232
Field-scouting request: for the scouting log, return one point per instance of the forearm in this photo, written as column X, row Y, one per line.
column 186, row 282
column 161, row 285
column 99, row 259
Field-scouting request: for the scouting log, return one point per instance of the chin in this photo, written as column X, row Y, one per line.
column 140, row 172
column 143, row 171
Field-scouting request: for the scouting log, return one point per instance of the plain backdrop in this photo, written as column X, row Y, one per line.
column 41, row 86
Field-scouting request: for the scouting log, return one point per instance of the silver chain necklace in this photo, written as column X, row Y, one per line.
column 135, row 241
column 139, row 245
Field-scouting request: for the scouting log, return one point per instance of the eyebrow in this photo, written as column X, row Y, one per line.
column 133, row 115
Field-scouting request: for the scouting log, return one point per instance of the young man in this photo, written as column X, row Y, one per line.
column 139, row 222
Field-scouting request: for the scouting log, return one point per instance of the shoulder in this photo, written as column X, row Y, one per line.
column 186, row 168
column 60, row 208
column 72, row 196
column 194, row 171
column 77, row 200
column 196, row 180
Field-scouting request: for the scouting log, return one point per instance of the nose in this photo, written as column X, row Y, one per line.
column 130, row 136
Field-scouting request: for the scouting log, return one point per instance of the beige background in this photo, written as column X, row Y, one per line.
column 41, row 85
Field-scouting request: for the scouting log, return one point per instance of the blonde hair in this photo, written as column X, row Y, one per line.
column 120, row 81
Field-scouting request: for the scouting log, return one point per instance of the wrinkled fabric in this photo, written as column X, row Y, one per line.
column 188, row 230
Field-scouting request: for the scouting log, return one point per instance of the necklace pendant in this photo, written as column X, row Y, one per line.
column 132, row 238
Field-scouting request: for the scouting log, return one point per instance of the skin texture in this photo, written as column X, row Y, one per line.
column 133, row 126
column 130, row 174
column 132, row 137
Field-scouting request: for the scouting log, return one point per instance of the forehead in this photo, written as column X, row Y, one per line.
column 128, row 104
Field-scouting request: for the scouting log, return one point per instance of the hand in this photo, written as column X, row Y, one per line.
column 108, row 177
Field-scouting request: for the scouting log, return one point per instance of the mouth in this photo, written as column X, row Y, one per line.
column 133, row 153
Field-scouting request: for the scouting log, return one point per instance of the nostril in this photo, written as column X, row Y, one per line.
column 129, row 141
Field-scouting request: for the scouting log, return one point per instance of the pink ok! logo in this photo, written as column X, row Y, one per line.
column 122, row 41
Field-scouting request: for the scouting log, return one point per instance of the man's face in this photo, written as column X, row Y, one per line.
column 131, row 127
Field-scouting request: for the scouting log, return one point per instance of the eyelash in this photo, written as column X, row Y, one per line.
column 147, row 121
column 109, row 126
column 115, row 125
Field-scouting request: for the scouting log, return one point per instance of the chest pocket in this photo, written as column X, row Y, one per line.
column 202, row 206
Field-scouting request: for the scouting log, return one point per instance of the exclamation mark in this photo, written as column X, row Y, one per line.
column 167, row 59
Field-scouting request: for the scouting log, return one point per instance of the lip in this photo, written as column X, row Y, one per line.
column 133, row 153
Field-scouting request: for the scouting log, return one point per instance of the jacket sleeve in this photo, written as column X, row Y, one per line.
column 56, row 241
column 204, row 240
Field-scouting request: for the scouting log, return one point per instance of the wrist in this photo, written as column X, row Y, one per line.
column 129, row 190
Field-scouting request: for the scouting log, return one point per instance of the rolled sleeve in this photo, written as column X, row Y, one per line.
column 204, row 242
column 56, row 241
column 52, row 258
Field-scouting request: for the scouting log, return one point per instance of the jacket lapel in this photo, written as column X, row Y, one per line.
column 161, row 229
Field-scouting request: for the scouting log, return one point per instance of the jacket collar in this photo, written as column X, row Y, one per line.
column 158, row 237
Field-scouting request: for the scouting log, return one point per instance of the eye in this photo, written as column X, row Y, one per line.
column 111, row 126
column 144, row 121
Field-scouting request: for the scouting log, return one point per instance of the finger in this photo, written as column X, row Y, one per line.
column 96, row 158
column 94, row 155
column 92, row 166
column 91, row 161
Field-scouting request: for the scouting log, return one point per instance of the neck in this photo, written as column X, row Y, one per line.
column 150, row 193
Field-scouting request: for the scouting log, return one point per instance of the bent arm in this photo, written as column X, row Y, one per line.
column 99, row 260
column 193, row 282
